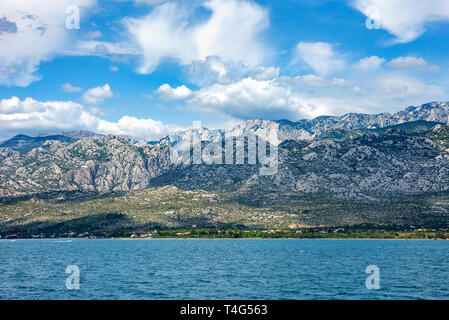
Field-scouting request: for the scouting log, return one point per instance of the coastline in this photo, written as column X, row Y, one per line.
column 212, row 238
column 335, row 233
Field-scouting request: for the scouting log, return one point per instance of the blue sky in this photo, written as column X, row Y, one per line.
column 148, row 67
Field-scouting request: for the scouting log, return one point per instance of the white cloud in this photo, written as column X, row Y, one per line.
column 231, row 32
column 140, row 128
column 251, row 98
column 113, row 68
column 166, row 92
column 312, row 80
column 308, row 96
column 97, row 94
column 403, row 19
column 37, row 33
column 223, row 125
column 370, row 63
column 294, row 98
column 32, row 116
column 320, row 56
column 67, row 87
column 214, row 69
column 151, row 2
column 16, row 114
column 102, row 48
column 265, row 73
column 413, row 63
column 93, row 34
column 400, row 88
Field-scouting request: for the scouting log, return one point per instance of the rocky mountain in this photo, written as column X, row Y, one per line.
column 350, row 166
column 308, row 129
column 24, row 143
column 102, row 164
column 76, row 135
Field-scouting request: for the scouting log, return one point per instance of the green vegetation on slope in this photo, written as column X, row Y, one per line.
column 169, row 209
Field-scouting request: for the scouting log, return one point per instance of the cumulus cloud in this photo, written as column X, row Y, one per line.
column 320, row 56
column 141, row 128
column 103, row 48
column 250, row 98
column 231, row 32
column 16, row 114
column 152, row 2
column 32, row 116
column 265, row 73
column 32, row 32
column 370, row 63
column 7, row 26
column 308, row 96
column 402, row 19
column 214, row 69
column 401, row 87
column 67, row 87
column 312, row 80
column 166, row 92
column 97, row 94
column 93, row 34
column 412, row 63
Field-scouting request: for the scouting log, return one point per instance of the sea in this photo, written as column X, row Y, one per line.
column 245, row 269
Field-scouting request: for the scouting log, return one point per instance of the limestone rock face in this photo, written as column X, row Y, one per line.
column 97, row 163
column 351, row 156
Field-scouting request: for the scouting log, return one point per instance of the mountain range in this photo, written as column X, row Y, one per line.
column 388, row 168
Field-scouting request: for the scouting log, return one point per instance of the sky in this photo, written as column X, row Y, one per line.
column 146, row 68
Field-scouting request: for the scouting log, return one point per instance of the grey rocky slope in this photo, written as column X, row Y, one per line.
column 98, row 163
column 25, row 143
column 309, row 129
column 76, row 135
column 306, row 129
column 326, row 155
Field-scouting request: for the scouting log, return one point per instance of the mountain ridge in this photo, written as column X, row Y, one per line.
column 306, row 129
column 348, row 167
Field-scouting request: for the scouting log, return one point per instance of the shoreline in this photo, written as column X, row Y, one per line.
column 335, row 233
column 67, row 240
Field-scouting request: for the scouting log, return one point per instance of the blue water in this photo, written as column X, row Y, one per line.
column 224, row 269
